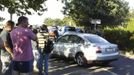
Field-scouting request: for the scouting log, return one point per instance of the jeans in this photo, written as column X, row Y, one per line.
column 42, row 63
column 46, row 63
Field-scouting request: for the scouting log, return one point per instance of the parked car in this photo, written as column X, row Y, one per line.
column 64, row 29
column 85, row 48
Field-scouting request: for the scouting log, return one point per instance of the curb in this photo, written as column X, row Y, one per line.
column 128, row 54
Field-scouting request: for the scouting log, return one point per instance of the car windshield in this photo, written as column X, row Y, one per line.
column 96, row 39
column 70, row 29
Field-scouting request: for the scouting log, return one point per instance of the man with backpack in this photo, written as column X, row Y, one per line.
column 44, row 46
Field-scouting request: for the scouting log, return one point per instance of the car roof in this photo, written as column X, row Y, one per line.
column 79, row 34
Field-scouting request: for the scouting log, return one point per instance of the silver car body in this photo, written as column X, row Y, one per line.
column 92, row 46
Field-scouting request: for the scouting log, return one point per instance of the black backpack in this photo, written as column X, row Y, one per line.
column 48, row 46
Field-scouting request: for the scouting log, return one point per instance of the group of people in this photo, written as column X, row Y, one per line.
column 16, row 48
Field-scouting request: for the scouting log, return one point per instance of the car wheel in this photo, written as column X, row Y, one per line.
column 81, row 60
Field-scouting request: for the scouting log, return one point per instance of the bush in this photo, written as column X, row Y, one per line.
column 120, row 37
column 131, row 41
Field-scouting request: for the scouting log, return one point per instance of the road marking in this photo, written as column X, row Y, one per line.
column 61, row 68
column 103, row 69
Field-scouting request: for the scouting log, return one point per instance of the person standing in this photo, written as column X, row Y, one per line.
column 45, row 46
column 42, row 36
column 1, row 46
column 22, row 48
column 6, row 52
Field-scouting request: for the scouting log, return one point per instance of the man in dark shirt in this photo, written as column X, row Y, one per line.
column 6, row 52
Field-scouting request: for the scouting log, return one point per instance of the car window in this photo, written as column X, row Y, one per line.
column 70, row 29
column 63, row 39
column 75, row 39
column 96, row 39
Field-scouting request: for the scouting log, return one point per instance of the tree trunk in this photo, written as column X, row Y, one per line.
column 11, row 16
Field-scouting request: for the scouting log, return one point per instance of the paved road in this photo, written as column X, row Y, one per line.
column 123, row 66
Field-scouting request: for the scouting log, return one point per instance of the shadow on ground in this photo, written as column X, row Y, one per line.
column 123, row 66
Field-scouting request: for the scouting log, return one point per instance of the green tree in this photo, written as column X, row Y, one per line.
column 60, row 22
column 23, row 7
column 109, row 11
column 131, row 14
column 50, row 22
column 68, row 21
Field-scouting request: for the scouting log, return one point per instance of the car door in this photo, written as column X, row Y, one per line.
column 59, row 45
column 73, row 45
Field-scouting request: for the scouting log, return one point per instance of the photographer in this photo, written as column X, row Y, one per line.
column 44, row 46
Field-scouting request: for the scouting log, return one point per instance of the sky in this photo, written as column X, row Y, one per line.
column 131, row 3
column 54, row 11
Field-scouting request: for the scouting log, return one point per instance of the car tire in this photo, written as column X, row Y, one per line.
column 81, row 60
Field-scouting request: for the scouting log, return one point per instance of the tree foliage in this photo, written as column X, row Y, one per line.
column 22, row 7
column 109, row 11
column 60, row 22
column 50, row 22
column 131, row 13
column 68, row 21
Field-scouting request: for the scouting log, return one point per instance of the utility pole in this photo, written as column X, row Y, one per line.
column 11, row 16
column 11, row 11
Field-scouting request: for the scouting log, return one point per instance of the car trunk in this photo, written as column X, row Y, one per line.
column 107, row 48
